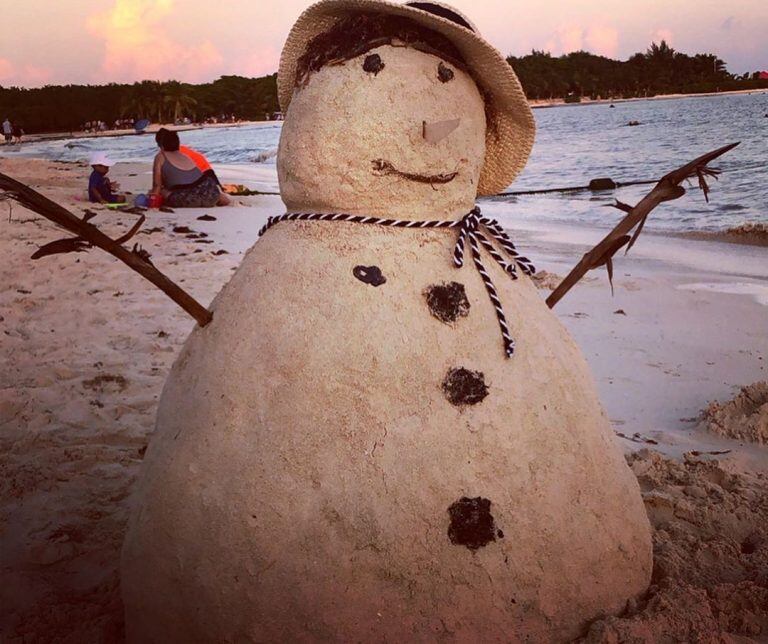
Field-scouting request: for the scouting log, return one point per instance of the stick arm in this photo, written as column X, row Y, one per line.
column 667, row 189
column 134, row 259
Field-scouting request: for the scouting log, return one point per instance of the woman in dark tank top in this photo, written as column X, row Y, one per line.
column 179, row 180
column 174, row 176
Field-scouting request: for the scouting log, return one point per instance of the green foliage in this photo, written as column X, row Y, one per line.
column 67, row 108
column 660, row 70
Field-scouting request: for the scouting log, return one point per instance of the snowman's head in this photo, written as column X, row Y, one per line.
column 386, row 116
column 385, row 119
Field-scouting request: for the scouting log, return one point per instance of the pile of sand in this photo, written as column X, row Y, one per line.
column 745, row 417
column 710, row 541
column 755, row 230
column 752, row 233
column 546, row 280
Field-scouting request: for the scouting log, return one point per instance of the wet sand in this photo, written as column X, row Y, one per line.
column 87, row 345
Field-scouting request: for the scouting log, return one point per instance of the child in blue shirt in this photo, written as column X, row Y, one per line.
column 101, row 189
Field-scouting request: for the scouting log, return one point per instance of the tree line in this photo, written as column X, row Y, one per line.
column 56, row 108
column 660, row 70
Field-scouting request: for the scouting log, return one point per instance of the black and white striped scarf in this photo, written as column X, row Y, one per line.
column 472, row 228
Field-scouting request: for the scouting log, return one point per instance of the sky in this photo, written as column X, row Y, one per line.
column 85, row 41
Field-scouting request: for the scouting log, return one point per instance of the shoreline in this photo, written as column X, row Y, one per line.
column 671, row 262
column 534, row 104
column 261, row 177
column 151, row 129
column 560, row 102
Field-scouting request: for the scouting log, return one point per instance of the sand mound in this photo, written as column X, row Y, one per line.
column 752, row 233
column 756, row 230
column 545, row 279
column 745, row 417
column 710, row 577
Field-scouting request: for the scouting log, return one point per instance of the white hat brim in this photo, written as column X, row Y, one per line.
column 102, row 160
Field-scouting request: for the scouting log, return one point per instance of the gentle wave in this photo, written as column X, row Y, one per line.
column 265, row 157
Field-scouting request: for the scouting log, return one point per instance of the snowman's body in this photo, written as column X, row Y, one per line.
column 314, row 477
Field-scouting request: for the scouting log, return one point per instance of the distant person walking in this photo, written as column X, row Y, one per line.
column 18, row 132
column 7, row 130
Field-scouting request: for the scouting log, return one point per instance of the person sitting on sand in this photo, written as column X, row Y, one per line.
column 199, row 158
column 101, row 189
column 179, row 179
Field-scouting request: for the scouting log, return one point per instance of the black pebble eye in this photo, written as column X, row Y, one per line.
column 369, row 275
column 373, row 64
column 444, row 73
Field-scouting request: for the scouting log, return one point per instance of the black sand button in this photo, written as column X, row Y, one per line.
column 447, row 302
column 472, row 523
column 369, row 275
column 464, row 387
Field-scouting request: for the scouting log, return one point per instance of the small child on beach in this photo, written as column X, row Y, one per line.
column 101, row 189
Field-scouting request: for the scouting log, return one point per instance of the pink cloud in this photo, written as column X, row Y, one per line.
column 35, row 76
column 26, row 76
column 6, row 69
column 599, row 39
column 138, row 46
column 570, row 38
column 603, row 40
column 260, row 62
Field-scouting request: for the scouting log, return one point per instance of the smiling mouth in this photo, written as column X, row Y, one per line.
column 382, row 168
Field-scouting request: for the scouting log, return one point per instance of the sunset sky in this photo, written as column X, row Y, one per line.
column 83, row 41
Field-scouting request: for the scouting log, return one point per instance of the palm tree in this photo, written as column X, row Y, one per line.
column 661, row 53
column 177, row 96
column 660, row 62
column 144, row 100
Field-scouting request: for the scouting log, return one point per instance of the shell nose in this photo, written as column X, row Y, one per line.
column 437, row 131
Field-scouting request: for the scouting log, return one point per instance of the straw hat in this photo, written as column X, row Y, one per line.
column 508, row 141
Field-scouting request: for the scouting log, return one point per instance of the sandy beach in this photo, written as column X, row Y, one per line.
column 658, row 97
column 87, row 345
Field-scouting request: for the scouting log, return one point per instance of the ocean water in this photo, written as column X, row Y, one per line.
column 577, row 143
column 574, row 144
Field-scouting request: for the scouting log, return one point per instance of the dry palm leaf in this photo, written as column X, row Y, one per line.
column 667, row 189
column 88, row 236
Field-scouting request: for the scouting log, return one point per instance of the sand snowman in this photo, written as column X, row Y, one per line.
column 351, row 450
